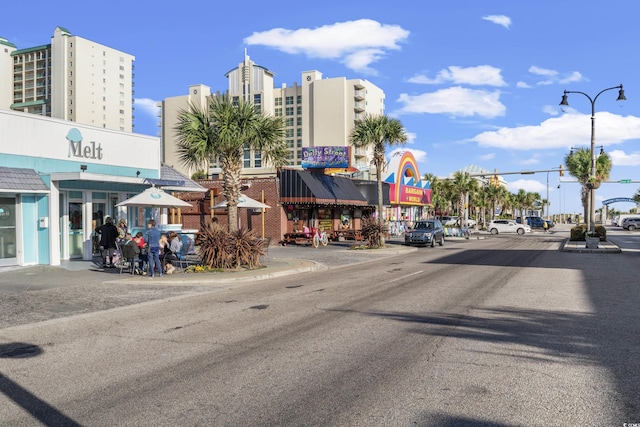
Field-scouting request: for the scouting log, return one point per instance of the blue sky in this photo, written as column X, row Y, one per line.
column 474, row 82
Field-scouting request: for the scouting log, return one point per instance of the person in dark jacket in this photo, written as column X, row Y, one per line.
column 108, row 236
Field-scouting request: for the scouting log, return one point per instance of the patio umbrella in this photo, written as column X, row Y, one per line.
column 244, row 202
column 155, row 198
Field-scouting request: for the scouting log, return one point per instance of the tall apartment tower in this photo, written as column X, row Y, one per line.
column 319, row 112
column 72, row 79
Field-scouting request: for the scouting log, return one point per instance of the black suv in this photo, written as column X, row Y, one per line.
column 425, row 232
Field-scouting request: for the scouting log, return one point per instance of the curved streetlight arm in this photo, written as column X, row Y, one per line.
column 591, row 210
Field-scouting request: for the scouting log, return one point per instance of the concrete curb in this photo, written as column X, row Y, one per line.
column 605, row 247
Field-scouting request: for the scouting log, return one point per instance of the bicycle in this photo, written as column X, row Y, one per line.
column 319, row 237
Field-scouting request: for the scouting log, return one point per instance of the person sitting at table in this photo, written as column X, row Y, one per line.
column 142, row 245
column 172, row 251
column 130, row 252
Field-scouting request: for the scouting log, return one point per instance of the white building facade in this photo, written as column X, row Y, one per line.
column 71, row 78
column 58, row 182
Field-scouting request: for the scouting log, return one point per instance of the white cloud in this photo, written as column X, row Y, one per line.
column 482, row 75
column 523, row 85
column 563, row 132
column 147, row 106
column 455, row 101
column 488, row 156
column 620, row 158
column 551, row 110
column 419, row 155
column 529, row 185
column 357, row 44
column 554, row 77
column 503, row 20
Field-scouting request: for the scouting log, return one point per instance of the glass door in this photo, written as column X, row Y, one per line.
column 76, row 234
column 8, row 236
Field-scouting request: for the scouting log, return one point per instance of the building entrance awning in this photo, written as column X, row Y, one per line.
column 299, row 186
column 20, row 180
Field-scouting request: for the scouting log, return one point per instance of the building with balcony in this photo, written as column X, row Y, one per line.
column 318, row 112
column 72, row 79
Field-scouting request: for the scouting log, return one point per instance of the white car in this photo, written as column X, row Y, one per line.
column 454, row 221
column 498, row 226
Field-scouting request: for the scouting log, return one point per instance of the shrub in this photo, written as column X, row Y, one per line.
column 372, row 231
column 579, row 232
column 220, row 249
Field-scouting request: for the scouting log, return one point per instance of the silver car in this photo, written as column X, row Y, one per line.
column 425, row 232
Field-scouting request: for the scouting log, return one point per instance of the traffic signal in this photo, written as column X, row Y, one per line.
column 561, row 170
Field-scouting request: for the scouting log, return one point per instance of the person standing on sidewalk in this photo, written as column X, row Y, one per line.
column 108, row 237
column 152, row 237
column 545, row 226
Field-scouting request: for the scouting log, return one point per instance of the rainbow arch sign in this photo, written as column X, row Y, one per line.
column 406, row 187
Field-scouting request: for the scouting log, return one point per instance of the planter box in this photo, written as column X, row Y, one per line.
column 592, row 242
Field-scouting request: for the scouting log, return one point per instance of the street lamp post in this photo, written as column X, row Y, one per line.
column 592, row 191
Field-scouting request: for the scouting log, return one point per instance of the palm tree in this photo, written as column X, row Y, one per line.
column 220, row 132
column 636, row 197
column 462, row 184
column 520, row 200
column 377, row 132
column 579, row 166
column 437, row 194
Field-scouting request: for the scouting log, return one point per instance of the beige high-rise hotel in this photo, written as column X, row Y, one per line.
column 318, row 112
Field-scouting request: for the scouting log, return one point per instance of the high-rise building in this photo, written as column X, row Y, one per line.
column 318, row 112
column 72, row 79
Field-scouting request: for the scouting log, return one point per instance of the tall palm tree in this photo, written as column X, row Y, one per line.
column 220, row 132
column 378, row 132
column 438, row 201
column 462, row 184
column 579, row 166
column 520, row 200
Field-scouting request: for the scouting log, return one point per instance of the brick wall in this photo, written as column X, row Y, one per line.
column 199, row 214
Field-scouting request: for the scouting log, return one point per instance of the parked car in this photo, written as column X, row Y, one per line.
column 631, row 223
column 617, row 221
column 454, row 221
column 498, row 226
column 425, row 232
column 536, row 222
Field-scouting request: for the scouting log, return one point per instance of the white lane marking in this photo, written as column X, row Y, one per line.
column 404, row 277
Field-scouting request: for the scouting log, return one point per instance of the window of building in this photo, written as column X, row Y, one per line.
column 299, row 132
column 299, row 121
column 257, row 98
column 247, row 158
column 299, row 142
column 299, row 111
column 289, row 111
column 235, row 100
column 278, row 101
column 299, row 99
column 289, row 143
column 289, row 121
column 278, row 112
column 289, row 100
column 289, row 133
column 257, row 161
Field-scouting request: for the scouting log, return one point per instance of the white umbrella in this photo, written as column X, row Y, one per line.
column 155, row 198
column 244, row 202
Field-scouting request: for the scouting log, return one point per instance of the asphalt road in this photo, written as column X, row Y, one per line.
column 500, row 331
